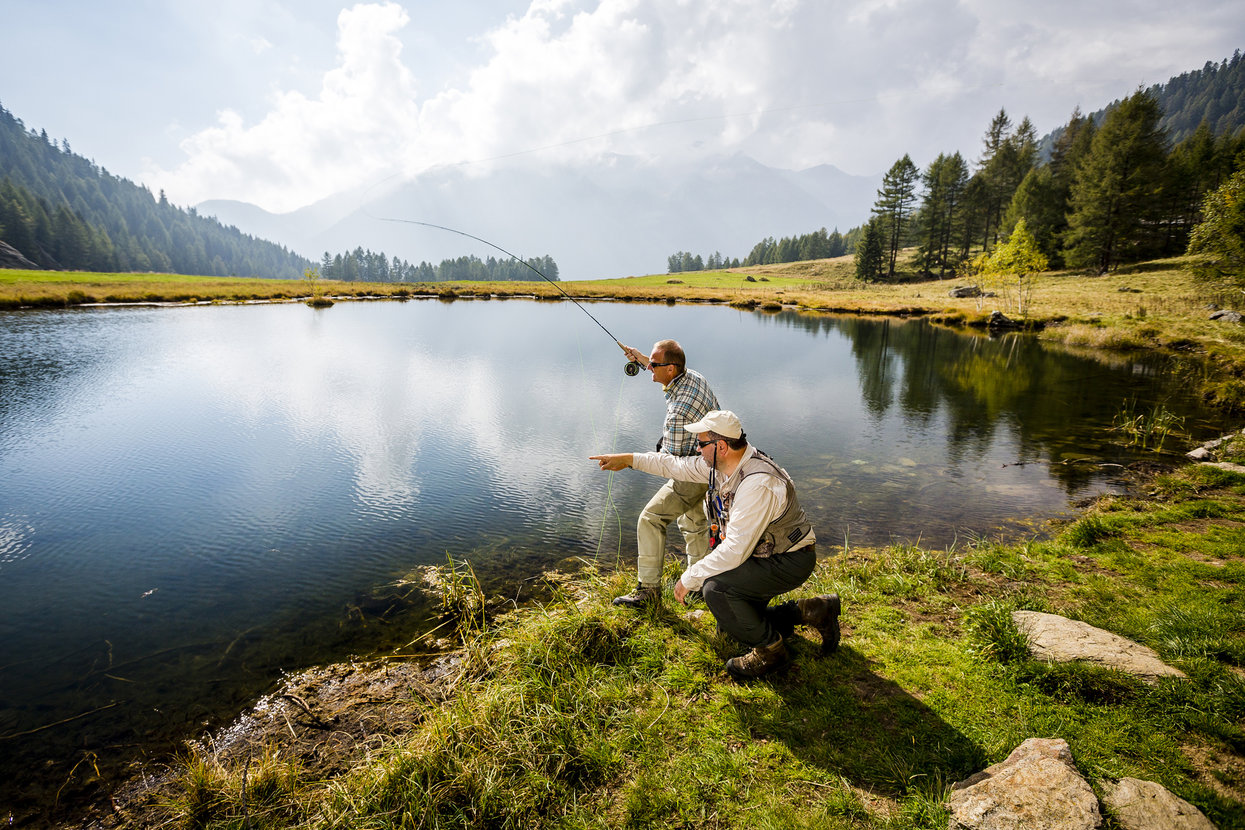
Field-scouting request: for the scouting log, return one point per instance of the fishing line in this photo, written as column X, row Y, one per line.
column 631, row 367
column 515, row 257
column 609, row 486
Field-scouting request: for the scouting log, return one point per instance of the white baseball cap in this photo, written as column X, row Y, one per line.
column 722, row 421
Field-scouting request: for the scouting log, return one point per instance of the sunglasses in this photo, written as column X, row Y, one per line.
column 703, row 444
column 653, row 363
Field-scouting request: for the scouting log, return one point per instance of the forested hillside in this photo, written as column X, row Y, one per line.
column 1122, row 186
column 1214, row 94
column 61, row 211
column 1135, row 191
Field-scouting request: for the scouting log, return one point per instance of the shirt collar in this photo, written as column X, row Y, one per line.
column 672, row 383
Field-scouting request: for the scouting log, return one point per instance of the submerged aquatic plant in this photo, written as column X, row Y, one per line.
column 1147, row 431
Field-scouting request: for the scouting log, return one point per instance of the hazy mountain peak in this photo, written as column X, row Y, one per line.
column 618, row 218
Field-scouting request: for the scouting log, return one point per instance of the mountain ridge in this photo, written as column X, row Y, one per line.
column 621, row 218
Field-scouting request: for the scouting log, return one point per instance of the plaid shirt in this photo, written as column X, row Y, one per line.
column 688, row 398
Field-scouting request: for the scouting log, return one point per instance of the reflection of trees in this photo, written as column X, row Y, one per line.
column 877, row 382
column 1055, row 405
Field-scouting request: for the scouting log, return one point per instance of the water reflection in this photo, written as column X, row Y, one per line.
column 192, row 500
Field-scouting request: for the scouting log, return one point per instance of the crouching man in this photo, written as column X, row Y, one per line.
column 761, row 543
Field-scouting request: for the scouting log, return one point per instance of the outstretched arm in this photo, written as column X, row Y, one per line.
column 615, row 461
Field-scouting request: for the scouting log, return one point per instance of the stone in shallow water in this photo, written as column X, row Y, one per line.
column 1061, row 640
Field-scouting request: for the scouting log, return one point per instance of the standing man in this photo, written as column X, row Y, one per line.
column 688, row 398
column 766, row 546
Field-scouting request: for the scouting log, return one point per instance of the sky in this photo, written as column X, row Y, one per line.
column 281, row 103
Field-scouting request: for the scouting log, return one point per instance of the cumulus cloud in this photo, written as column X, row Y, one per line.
column 792, row 83
column 308, row 148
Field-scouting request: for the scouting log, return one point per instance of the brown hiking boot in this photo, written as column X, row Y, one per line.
column 761, row 660
column 822, row 613
column 642, row 597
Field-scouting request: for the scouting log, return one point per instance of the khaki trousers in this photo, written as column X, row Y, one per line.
column 676, row 500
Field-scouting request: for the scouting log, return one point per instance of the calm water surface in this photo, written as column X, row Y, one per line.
column 193, row 500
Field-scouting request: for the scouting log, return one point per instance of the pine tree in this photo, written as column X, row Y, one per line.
column 894, row 207
column 1114, row 194
column 870, row 256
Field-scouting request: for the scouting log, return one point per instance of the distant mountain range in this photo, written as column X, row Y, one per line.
column 619, row 218
column 625, row 216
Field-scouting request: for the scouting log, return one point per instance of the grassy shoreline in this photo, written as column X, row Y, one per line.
column 1154, row 306
column 572, row 713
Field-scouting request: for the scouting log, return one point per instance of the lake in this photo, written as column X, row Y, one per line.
column 195, row 500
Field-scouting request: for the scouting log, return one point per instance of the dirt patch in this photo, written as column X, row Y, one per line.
column 1218, row 768
column 323, row 719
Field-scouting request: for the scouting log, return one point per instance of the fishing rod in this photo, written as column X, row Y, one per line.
column 632, row 368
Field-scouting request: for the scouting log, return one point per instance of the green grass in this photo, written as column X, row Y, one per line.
column 578, row 714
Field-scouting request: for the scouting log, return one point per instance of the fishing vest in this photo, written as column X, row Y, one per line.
column 779, row 536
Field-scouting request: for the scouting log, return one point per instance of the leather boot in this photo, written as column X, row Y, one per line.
column 822, row 613
column 642, row 597
column 761, row 660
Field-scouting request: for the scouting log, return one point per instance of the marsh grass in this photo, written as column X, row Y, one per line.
column 263, row 792
column 1149, row 431
column 60, row 289
column 577, row 714
column 1090, row 531
column 992, row 634
column 460, row 597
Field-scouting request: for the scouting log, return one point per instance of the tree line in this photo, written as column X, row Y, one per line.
column 1123, row 184
column 1211, row 94
column 362, row 265
column 1109, row 194
column 819, row 244
column 62, row 211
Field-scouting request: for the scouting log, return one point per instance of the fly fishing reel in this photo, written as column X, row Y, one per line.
column 633, row 368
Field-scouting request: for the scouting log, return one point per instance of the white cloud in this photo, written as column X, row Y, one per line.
column 792, row 83
column 307, row 148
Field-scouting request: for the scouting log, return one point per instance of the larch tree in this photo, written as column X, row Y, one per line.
column 894, row 207
column 1114, row 197
column 941, row 214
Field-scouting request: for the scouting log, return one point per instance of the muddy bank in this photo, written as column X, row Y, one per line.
column 321, row 721
column 105, row 769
